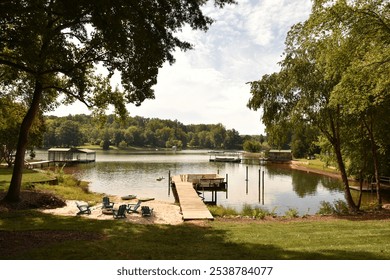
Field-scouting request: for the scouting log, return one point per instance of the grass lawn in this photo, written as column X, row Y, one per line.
column 81, row 238
column 30, row 234
column 29, row 177
column 317, row 164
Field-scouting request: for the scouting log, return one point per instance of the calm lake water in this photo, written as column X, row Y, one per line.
column 136, row 173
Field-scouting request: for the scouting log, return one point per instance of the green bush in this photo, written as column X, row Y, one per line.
column 341, row 207
column 221, row 211
column 292, row 213
column 260, row 213
column 326, row 208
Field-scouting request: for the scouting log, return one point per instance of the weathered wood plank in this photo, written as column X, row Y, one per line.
column 192, row 206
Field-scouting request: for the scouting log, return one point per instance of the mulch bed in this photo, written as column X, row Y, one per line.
column 31, row 199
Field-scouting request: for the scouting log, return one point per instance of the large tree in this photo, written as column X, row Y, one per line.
column 53, row 47
column 334, row 74
column 11, row 116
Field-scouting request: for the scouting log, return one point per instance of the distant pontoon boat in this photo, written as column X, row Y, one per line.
column 220, row 156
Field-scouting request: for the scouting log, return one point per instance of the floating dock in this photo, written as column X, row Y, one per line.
column 185, row 191
column 371, row 187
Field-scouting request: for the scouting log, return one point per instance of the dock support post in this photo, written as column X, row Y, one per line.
column 246, row 174
column 259, row 187
column 169, row 182
column 263, row 188
column 227, row 185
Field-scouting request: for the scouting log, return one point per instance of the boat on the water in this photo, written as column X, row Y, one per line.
column 234, row 157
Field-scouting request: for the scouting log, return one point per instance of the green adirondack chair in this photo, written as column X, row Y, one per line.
column 106, row 203
column 146, row 211
column 120, row 213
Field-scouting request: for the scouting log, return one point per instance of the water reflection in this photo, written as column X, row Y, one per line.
column 136, row 173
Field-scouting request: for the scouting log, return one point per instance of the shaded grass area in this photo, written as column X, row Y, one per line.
column 68, row 187
column 29, row 177
column 110, row 239
column 30, row 234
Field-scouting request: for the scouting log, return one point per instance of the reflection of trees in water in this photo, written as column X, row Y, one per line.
column 304, row 183
column 307, row 183
column 332, row 184
column 273, row 170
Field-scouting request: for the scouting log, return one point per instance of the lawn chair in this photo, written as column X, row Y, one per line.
column 120, row 213
column 107, row 204
column 83, row 209
column 133, row 208
column 146, row 211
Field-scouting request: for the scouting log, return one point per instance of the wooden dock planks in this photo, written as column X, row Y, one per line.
column 192, row 206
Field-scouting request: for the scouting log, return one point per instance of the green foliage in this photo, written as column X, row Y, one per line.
column 256, row 212
column 246, row 211
column 29, row 177
column 52, row 49
column 11, row 116
column 221, row 211
column 333, row 80
column 137, row 131
column 326, row 208
column 339, row 207
column 252, row 146
column 292, row 213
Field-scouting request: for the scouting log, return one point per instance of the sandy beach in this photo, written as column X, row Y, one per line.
column 163, row 212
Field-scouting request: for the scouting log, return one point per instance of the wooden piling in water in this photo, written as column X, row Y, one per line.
column 263, row 188
column 259, row 186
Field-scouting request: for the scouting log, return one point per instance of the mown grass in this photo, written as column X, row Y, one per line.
column 29, row 177
column 335, row 239
column 238, row 238
column 317, row 164
column 68, row 187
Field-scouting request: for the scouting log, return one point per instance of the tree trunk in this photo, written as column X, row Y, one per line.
column 348, row 196
column 335, row 140
column 13, row 194
column 374, row 151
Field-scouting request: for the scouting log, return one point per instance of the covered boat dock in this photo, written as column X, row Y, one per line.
column 71, row 155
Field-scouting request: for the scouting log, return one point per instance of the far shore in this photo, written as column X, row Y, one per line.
column 303, row 167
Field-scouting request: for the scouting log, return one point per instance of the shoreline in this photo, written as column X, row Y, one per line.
column 302, row 167
column 163, row 212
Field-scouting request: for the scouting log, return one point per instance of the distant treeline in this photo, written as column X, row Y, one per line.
column 75, row 130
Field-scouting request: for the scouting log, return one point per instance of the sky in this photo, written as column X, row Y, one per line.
column 208, row 85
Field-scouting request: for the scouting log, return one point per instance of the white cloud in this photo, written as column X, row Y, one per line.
column 208, row 84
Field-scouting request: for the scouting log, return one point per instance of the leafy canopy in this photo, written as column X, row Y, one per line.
column 60, row 44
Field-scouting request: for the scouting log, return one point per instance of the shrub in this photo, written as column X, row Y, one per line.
column 221, row 211
column 292, row 213
column 260, row 213
column 326, row 208
column 122, row 145
column 255, row 212
column 341, row 207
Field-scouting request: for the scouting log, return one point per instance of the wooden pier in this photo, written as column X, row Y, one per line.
column 371, row 187
column 191, row 205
